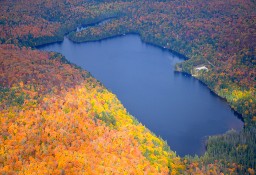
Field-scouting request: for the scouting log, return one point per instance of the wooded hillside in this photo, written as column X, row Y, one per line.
column 57, row 119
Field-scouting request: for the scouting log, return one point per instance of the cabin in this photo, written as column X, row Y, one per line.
column 201, row 68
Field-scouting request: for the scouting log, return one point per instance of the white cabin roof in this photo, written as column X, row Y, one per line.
column 202, row 68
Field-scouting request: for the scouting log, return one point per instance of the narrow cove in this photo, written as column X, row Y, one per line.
column 176, row 107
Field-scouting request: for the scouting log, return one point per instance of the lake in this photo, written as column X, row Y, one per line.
column 174, row 106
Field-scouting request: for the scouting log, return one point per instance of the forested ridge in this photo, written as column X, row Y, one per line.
column 57, row 119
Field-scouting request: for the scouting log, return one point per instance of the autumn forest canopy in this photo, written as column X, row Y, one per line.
column 57, row 119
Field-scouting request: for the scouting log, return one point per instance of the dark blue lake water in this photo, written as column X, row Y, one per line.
column 176, row 107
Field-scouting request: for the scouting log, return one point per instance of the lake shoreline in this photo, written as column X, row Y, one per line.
column 122, row 40
column 149, row 43
column 171, row 51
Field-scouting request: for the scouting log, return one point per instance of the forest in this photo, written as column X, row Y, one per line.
column 57, row 119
